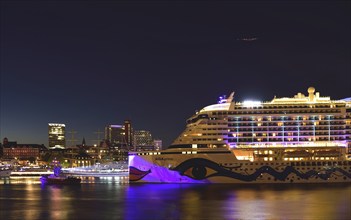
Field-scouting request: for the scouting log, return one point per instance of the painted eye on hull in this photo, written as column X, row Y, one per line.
column 198, row 169
column 199, row 172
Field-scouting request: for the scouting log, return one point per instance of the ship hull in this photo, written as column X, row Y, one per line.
column 49, row 180
column 225, row 168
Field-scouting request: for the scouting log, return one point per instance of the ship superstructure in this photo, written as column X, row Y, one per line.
column 310, row 132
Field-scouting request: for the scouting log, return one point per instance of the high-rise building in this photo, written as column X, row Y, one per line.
column 57, row 136
column 115, row 135
column 128, row 131
column 143, row 140
column 120, row 136
column 158, row 144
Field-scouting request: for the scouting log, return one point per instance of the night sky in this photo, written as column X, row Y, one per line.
column 90, row 64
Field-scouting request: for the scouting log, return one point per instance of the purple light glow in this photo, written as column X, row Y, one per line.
column 158, row 173
column 116, row 126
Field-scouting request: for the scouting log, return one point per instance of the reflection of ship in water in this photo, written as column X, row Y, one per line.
column 304, row 139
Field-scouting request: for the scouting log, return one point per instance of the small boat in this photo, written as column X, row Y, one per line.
column 58, row 178
column 54, row 180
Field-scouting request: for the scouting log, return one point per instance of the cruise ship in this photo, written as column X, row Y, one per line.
column 300, row 139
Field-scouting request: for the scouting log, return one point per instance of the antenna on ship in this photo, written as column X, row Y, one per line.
column 230, row 98
column 224, row 99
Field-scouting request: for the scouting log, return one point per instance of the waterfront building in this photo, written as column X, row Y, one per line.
column 97, row 152
column 57, row 136
column 82, row 160
column 77, row 155
column 71, row 152
column 23, row 152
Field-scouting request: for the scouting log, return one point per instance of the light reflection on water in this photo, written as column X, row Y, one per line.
column 114, row 198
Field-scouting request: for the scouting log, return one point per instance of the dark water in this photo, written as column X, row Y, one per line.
column 114, row 198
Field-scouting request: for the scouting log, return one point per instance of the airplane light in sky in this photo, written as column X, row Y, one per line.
column 247, row 39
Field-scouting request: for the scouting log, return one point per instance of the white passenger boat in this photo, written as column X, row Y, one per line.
column 304, row 139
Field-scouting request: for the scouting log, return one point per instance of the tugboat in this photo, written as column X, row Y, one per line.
column 58, row 178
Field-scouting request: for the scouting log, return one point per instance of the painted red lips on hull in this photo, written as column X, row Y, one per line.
column 136, row 174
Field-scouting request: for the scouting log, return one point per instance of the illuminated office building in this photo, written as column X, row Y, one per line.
column 143, row 140
column 115, row 135
column 57, row 136
column 128, row 132
column 120, row 136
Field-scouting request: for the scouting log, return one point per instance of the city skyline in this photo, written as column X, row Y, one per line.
column 90, row 64
column 70, row 136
